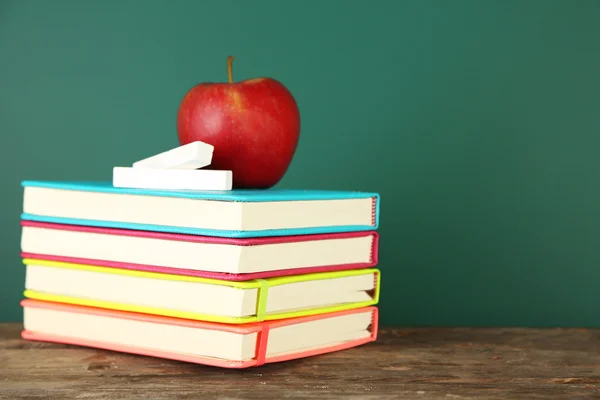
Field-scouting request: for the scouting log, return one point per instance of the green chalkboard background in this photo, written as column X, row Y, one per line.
column 477, row 121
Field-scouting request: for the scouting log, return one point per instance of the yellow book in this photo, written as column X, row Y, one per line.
column 197, row 298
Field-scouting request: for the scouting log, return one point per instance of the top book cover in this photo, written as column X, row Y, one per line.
column 233, row 213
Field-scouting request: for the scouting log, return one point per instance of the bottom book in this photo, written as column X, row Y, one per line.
column 208, row 343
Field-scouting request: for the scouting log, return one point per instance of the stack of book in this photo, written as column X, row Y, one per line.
column 226, row 278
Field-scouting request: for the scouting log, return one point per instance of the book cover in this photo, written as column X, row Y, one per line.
column 203, row 256
column 235, row 213
column 227, row 346
column 183, row 296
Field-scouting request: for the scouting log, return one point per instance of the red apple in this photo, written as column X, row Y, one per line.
column 254, row 126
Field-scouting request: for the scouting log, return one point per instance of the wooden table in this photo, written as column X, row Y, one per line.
column 403, row 363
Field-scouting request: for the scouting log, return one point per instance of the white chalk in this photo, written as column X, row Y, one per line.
column 189, row 156
column 171, row 179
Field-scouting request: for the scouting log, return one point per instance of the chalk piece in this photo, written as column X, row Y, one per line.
column 190, row 156
column 171, row 179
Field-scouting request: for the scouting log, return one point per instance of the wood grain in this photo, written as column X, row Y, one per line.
column 442, row 363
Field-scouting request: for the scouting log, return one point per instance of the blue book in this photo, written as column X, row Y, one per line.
column 233, row 213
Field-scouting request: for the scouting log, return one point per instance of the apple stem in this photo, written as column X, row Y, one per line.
column 229, row 71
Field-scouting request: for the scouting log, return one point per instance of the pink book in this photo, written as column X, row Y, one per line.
column 208, row 343
column 234, row 259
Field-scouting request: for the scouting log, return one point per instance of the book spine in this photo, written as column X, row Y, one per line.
column 374, row 324
column 377, row 288
column 374, row 211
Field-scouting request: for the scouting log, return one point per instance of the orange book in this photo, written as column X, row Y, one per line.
column 209, row 343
